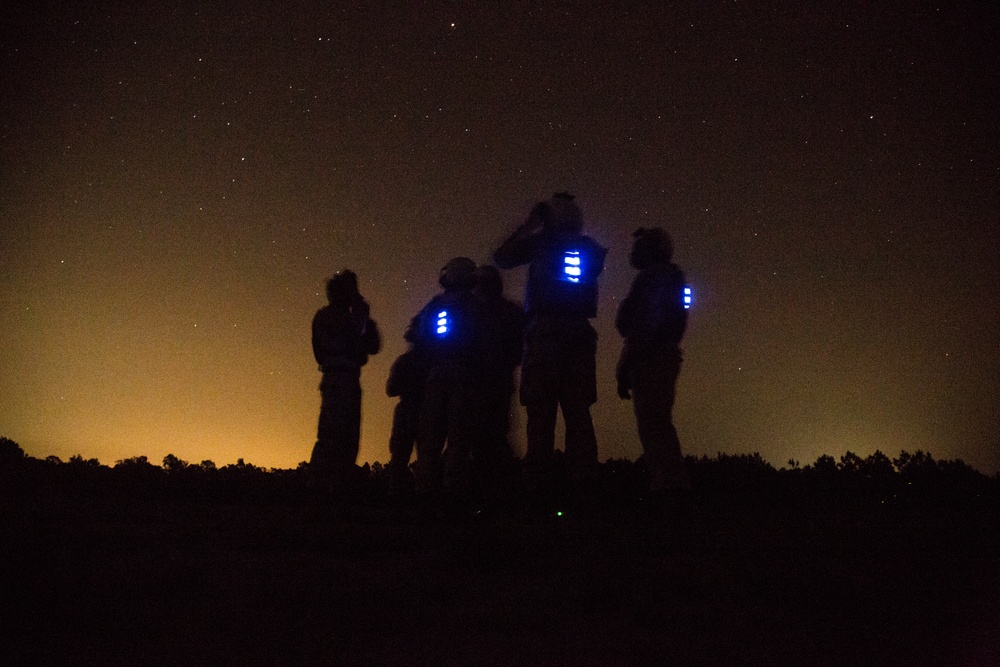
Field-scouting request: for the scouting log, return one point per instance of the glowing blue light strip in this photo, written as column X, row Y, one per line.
column 688, row 297
column 572, row 266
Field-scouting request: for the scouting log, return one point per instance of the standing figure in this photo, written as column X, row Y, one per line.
column 343, row 336
column 492, row 457
column 559, row 367
column 407, row 378
column 448, row 330
column 652, row 319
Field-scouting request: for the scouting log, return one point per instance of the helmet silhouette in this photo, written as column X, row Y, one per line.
column 458, row 274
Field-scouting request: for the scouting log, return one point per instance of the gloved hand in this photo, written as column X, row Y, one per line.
column 624, row 392
column 360, row 312
column 540, row 213
column 360, row 309
column 622, row 378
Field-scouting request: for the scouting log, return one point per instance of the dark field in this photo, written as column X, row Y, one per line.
column 146, row 566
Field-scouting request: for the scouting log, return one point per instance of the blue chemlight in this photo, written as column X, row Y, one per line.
column 572, row 266
column 688, row 298
column 443, row 323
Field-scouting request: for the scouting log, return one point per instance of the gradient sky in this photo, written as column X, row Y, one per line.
column 179, row 179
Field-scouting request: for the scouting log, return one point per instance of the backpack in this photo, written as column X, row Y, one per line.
column 449, row 328
column 444, row 325
column 670, row 307
column 566, row 283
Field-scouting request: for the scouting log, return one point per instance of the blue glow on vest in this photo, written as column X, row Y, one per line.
column 688, row 297
column 572, row 266
column 443, row 323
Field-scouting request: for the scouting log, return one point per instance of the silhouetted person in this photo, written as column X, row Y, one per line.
column 558, row 369
column 652, row 319
column 492, row 456
column 448, row 329
column 343, row 336
column 407, row 378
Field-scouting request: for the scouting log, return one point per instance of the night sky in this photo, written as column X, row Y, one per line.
column 179, row 179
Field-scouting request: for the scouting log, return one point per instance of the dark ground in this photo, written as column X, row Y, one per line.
column 171, row 581
column 862, row 562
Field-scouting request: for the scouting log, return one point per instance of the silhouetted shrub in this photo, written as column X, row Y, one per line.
column 10, row 452
column 172, row 464
column 733, row 476
column 853, row 482
column 13, row 475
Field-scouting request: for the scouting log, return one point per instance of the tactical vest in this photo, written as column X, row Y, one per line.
column 565, row 278
column 449, row 330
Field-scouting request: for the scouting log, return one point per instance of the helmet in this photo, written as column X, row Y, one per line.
column 458, row 274
column 651, row 246
column 563, row 214
column 488, row 281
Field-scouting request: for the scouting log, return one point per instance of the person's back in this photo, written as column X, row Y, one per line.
column 652, row 320
column 494, row 464
column 559, row 365
column 503, row 325
column 653, row 313
column 449, row 330
column 407, row 378
column 563, row 263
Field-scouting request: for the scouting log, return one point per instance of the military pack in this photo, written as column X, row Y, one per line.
column 567, row 280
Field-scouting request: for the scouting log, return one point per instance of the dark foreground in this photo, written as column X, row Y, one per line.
column 168, row 579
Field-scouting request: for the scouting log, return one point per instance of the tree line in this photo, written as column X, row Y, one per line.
column 875, row 480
